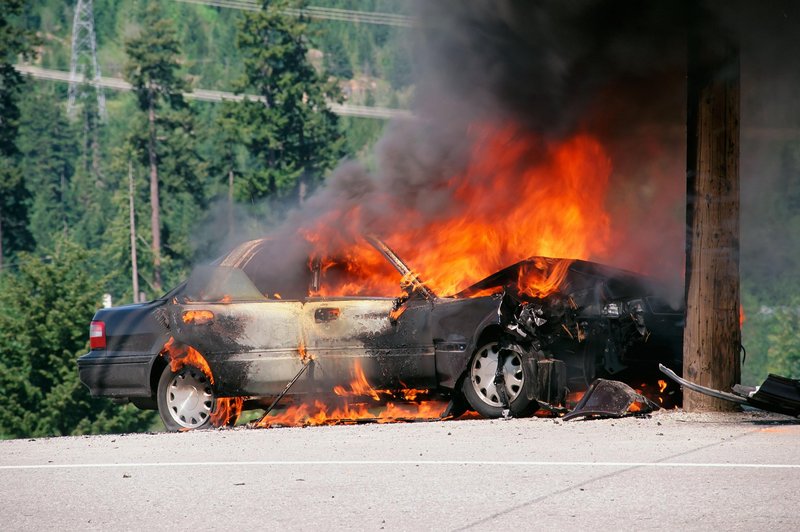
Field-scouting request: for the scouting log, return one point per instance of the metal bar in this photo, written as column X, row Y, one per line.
column 400, row 266
column 289, row 385
column 702, row 389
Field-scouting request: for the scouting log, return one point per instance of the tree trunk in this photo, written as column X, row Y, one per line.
column 63, row 193
column 134, row 262
column 155, row 218
column 712, row 337
column 230, row 202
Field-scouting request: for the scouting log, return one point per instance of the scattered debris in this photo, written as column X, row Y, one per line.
column 777, row 394
column 606, row 398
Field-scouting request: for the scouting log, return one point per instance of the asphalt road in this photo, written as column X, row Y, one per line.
column 669, row 471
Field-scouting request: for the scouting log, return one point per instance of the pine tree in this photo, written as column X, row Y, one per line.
column 152, row 69
column 292, row 134
column 45, row 308
column 15, row 40
column 48, row 152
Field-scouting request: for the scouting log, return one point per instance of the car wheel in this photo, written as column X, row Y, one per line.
column 185, row 399
column 482, row 393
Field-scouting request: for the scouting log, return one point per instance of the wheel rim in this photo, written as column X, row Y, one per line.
column 189, row 398
column 483, row 368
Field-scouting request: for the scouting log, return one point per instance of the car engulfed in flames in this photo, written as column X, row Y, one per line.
column 323, row 323
column 516, row 342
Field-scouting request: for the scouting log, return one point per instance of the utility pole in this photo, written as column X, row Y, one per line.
column 712, row 337
column 84, row 49
column 134, row 263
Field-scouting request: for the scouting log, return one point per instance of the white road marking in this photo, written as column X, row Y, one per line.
column 400, row 463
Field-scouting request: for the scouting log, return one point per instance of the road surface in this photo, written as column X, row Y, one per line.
column 669, row 471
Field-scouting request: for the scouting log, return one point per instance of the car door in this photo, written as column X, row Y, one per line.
column 346, row 333
column 251, row 342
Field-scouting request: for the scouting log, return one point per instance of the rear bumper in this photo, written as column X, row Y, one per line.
column 116, row 374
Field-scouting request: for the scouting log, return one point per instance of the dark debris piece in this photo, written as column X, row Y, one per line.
column 611, row 399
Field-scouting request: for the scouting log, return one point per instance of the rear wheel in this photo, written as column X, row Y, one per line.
column 482, row 393
column 185, row 399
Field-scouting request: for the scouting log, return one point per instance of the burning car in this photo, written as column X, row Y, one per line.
column 239, row 334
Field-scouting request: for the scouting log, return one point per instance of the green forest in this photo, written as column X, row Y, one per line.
column 68, row 180
column 66, row 177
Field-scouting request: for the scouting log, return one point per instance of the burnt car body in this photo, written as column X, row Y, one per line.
column 490, row 344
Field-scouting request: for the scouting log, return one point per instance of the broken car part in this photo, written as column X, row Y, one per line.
column 606, row 398
column 777, row 394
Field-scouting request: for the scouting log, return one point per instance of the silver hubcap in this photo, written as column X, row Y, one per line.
column 189, row 398
column 483, row 368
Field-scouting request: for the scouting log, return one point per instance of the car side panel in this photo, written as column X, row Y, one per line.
column 346, row 333
column 457, row 325
column 134, row 338
column 252, row 348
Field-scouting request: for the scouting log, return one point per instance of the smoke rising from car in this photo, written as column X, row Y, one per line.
column 615, row 70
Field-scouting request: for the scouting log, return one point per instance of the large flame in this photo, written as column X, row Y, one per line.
column 519, row 196
column 358, row 401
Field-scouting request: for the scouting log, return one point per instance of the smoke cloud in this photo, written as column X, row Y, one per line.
column 612, row 69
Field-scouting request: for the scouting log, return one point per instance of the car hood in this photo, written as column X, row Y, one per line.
column 581, row 275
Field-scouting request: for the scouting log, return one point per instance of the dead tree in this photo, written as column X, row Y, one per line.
column 712, row 337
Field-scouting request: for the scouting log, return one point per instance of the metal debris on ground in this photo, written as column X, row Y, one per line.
column 777, row 394
column 606, row 398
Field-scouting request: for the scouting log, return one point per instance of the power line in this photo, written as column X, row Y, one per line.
column 207, row 95
column 326, row 13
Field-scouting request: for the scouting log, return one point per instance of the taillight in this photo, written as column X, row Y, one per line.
column 97, row 335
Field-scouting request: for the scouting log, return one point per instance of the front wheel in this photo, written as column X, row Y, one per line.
column 482, row 393
column 185, row 399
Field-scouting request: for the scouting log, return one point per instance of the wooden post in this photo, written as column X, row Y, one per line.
column 134, row 262
column 712, row 337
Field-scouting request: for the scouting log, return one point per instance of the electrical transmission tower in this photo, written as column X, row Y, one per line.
column 84, row 50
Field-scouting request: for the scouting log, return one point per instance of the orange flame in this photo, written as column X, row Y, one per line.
column 543, row 279
column 304, row 356
column 519, row 196
column 197, row 317
column 358, row 401
column 226, row 411
column 180, row 355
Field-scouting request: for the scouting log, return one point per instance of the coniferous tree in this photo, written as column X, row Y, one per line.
column 152, row 70
column 292, row 134
column 15, row 40
column 48, row 152
column 45, row 308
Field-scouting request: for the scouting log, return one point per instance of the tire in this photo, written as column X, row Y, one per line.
column 479, row 388
column 185, row 399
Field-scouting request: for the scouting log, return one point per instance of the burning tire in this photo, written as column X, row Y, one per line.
column 185, row 399
column 482, row 393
